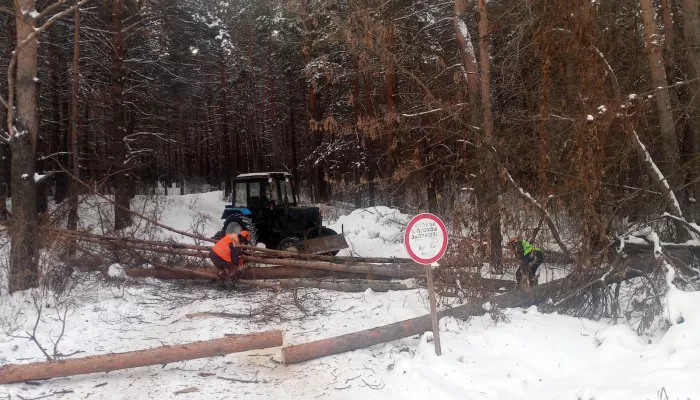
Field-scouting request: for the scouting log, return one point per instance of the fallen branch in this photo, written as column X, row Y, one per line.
column 667, row 246
column 222, row 314
column 160, row 355
column 237, row 380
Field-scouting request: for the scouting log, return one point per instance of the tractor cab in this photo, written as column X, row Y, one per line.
column 266, row 205
column 253, row 192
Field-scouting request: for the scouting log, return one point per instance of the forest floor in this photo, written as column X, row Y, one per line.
column 530, row 355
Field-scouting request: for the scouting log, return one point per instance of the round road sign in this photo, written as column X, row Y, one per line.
column 425, row 238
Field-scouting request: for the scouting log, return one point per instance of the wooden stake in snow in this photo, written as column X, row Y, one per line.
column 433, row 308
column 426, row 241
column 159, row 355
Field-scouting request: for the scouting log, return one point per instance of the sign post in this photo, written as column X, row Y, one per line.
column 426, row 241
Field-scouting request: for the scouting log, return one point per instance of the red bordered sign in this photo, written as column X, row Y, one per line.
column 425, row 238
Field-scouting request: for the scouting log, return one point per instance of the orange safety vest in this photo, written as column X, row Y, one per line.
column 222, row 248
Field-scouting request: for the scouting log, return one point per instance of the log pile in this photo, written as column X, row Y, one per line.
column 286, row 269
column 265, row 267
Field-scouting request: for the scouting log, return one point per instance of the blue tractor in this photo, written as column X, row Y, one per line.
column 265, row 204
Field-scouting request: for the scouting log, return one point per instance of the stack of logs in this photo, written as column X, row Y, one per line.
column 273, row 268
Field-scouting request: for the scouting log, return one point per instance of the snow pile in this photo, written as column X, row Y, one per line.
column 374, row 231
column 116, row 271
column 550, row 356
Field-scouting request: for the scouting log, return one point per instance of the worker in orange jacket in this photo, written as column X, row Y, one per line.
column 227, row 254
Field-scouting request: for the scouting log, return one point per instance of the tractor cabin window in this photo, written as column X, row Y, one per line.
column 274, row 194
column 241, row 199
column 254, row 199
column 286, row 188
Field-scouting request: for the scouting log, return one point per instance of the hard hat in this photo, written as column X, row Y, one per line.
column 245, row 235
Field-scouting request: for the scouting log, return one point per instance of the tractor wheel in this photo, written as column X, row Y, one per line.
column 329, row 232
column 236, row 223
column 291, row 243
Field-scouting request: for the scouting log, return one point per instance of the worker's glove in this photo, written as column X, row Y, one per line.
column 241, row 261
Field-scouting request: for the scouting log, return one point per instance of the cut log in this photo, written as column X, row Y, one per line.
column 353, row 341
column 394, row 271
column 345, row 286
column 141, row 358
column 169, row 273
column 296, row 273
column 263, row 252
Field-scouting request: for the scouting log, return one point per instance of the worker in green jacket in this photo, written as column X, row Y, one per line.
column 531, row 256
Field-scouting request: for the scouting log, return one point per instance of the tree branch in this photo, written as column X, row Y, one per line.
column 545, row 214
column 48, row 10
column 675, row 85
column 499, row 164
column 46, row 25
column 688, row 225
column 613, row 79
column 10, row 78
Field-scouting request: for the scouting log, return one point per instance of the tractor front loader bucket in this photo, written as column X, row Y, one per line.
column 325, row 244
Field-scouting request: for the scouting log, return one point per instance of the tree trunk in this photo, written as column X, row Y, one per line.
column 226, row 136
column 75, row 156
column 691, row 34
column 390, row 104
column 141, row 358
column 357, row 109
column 316, row 177
column 24, row 253
column 5, row 154
column 478, row 89
column 23, row 132
column 470, row 68
column 54, row 140
column 491, row 180
column 122, row 218
column 667, row 16
column 671, row 163
column 370, row 147
column 293, row 144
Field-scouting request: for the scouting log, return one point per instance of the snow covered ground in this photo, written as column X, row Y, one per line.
column 530, row 356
